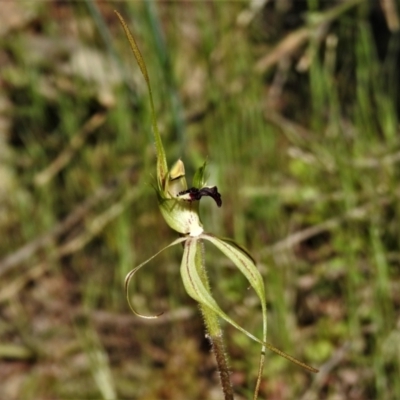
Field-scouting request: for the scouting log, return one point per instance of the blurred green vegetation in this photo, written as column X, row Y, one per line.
column 295, row 105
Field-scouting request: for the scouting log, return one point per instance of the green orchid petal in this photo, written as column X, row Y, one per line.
column 135, row 270
column 246, row 264
column 235, row 244
column 195, row 288
column 243, row 261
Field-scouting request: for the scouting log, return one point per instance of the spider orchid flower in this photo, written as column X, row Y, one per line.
column 179, row 206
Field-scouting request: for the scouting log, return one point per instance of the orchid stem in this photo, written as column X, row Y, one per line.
column 213, row 329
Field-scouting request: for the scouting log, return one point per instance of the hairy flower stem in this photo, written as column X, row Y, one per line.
column 213, row 329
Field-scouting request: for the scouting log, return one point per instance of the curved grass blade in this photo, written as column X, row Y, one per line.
column 162, row 167
column 135, row 270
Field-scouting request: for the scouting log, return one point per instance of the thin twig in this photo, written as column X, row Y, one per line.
column 390, row 12
column 330, row 224
column 294, row 40
column 92, row 229
column 29, row 249
column 77, row 141
column 98, row 223
column 325, row 369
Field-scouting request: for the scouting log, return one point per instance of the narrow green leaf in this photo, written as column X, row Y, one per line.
column 195, row 288
column 197, row 291
column 245, row 263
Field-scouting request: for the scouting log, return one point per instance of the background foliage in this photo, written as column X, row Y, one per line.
column 295, row 105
